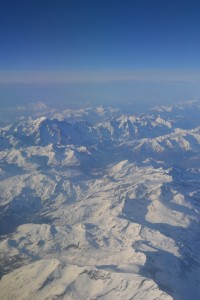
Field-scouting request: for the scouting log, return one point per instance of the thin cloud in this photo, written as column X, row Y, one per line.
column 60, row 78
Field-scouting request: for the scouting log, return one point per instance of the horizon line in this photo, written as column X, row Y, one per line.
column 91, row 77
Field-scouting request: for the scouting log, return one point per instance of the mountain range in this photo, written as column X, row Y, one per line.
column 96, row 203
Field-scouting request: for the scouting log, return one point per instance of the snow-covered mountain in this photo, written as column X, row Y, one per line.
column 129, row 127
column 185, row 114
column 98, row 204
column 43, row 131
column 182, row 147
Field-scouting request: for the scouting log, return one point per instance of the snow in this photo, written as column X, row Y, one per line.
column 47, row 279
column 111, row 212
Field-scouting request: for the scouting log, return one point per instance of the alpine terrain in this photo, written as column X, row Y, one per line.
column 100, row 204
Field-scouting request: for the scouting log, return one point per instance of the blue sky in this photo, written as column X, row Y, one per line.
column 99, row 51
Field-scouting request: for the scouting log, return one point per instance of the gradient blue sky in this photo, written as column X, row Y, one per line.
column 99, row 51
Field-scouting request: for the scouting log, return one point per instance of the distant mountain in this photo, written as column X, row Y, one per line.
column 43, row 131
column 181, row 147
column 185, row 114
column 130, row 127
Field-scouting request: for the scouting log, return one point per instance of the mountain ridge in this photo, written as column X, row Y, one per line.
column 107, row 209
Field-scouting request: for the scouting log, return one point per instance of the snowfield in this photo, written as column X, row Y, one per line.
column 96, row 204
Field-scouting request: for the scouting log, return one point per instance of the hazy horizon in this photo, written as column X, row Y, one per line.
column 86, row 52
